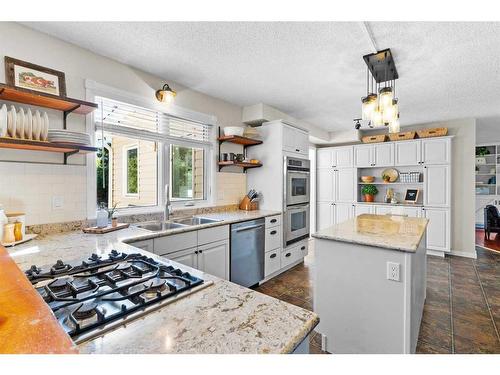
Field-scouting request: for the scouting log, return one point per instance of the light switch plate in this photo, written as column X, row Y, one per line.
column 57, row 202
column 393, row 271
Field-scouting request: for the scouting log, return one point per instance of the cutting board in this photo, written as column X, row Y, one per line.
column 96, row 230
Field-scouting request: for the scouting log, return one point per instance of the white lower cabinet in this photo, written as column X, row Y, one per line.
column 272, row 262
column 213, row 259
column 383, row 210
column 342, row 212
column 147, row 245
column 188, row 257
column 324, row 215
column 360, row 209
column 412, row 211
column 438, row 228
column 290, row 255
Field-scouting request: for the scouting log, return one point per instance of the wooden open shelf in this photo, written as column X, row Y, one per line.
column 239, row 140
column 245, row 166
column 19, row 95
column 26, row 144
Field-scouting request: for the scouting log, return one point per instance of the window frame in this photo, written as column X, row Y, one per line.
column 126, row 149
column 94, row 89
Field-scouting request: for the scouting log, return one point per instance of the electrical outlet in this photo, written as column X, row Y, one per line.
column 393, row 271
column 57, row 202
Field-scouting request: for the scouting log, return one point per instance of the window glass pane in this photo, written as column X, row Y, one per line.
column 127, row 173
column 187, row 173
column 132, row 172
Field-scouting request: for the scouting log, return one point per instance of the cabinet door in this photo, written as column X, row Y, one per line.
column 187, row 257
column 324, row 215
column 344, row 185
column 288, row 138
column 325, row 185
column 342, row 212
column 383, row 155
column 407, row 153
column 360, row 209
column 438, row 228
column 437, row 185
column 412, row 211
column 436, row 151
column 304, row 142
column 324, row 158
column 272, row 262
column 295, row 140
column 363, row 156
column 342, row 157
column 214, row 259
column 144, row 245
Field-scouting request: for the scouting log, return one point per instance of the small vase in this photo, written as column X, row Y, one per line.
column 369, row 198
column 114, row 222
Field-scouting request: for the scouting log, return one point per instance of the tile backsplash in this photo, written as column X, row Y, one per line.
column 231, row 188
column 46, row 193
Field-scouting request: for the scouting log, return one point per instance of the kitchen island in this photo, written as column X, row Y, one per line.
column 221, row 318
column 370, row 283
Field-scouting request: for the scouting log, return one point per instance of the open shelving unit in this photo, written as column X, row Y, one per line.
column 64, row 104
column 239, row 140
column 487, row 170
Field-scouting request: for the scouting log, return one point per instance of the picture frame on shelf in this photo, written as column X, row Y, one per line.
column 411, row 195
column 29, row 76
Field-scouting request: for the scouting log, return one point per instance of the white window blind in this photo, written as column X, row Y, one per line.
column 144, row 123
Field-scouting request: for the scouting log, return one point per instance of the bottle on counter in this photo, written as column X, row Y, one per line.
column 3, row 220
column 8, row 234
column 18, row 231
column 102, row 216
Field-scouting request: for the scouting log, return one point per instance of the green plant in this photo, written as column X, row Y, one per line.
column 482, row 151
column 369, row 190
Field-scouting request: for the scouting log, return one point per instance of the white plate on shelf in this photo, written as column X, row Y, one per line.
column 28, row 125
column 3, row 121
column 37, row 123
column 20, row 124
column 45, row 128
column 11, row 121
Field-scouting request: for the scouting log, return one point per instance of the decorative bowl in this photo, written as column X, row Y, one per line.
column 367, row 178
column 234, row 130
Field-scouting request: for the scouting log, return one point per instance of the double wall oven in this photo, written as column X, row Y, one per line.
column 297, row 193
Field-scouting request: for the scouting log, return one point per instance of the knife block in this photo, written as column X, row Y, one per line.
column 246, row 205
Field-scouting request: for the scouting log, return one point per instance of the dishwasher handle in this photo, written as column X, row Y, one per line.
column 249, row 228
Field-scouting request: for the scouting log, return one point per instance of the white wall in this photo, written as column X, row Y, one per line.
column 488, row 130
column 18, row 189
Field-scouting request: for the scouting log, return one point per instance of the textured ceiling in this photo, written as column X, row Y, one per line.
column 312, row 71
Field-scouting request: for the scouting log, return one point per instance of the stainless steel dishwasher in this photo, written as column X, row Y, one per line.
column 247, row 252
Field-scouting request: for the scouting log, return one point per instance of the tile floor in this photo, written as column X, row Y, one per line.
column 462, row 309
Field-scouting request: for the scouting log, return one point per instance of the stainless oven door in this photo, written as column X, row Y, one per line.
column 297, row 187
column 296, row 224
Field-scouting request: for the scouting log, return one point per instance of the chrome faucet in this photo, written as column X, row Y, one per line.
column 168, row 205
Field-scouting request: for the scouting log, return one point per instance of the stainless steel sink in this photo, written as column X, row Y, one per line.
column 193, row 220
column 158, row 226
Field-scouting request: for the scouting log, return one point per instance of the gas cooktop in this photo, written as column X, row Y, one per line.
column 100, row 293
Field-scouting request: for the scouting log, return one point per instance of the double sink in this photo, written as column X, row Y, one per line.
column 158, row 226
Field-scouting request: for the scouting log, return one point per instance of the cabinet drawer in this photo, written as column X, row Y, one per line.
column 272, row 262
column 290, row 255
column 303, row 249
column 214, row 234
column 273, row 238
column 176, row 242
column 272, row 221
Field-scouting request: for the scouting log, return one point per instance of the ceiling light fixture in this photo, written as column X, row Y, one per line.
column 166, row 94
column 380, row 106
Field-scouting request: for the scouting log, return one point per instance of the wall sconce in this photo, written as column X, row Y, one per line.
column 166, row 94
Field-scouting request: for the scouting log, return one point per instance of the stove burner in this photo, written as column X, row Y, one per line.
column 85, row 311
column 155, row 286
column 59, row 267
column 60, row 284
column 94, row 257
column 115, row 254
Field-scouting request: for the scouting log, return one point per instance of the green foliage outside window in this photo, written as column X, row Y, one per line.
column 132, row 186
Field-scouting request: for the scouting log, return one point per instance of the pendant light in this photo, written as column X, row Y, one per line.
column 394, row 126
column 390, row 112
column 386, row 96
column 368, row 106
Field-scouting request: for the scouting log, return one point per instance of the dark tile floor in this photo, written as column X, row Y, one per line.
column 461, row 312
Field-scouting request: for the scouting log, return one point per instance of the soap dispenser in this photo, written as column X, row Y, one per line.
column 102, row 216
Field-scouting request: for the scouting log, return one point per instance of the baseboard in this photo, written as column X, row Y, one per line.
column 464, row 254
column 435, row 253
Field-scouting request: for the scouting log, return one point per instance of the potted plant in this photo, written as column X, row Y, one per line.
column 112, row 215
column 481, row 152
column 369, row 191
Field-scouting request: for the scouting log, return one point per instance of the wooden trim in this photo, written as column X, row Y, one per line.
column 239, row 140
column 25, row 144
column 10, row 62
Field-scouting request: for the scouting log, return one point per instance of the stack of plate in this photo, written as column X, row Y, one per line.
column 23, row 124
column 66, row 136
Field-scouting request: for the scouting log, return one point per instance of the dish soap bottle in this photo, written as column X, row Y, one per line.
column 102, row 216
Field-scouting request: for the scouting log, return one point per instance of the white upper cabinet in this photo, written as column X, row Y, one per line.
column 363, row 156
column 379, row 155
column 338, row 157
column 343, row 157
column 345, row 185
column 437, row 189
column 407, row 153
column 436, row 151
column 295, row 140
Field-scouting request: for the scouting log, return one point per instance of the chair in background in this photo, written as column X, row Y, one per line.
column 491, row 221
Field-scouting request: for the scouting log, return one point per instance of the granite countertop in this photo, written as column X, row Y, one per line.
column 221, row 318
column 385, row 231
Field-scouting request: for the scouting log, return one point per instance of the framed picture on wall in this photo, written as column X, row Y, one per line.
column 411, row 195
column 34, row 77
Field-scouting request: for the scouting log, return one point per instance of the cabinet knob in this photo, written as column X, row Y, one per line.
column 303, row 248
column 297, row 150
column 272, row 256
column 273, row 220
column 196, row 252
column 200, row 251
column 288, row 254
column 273, row 232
